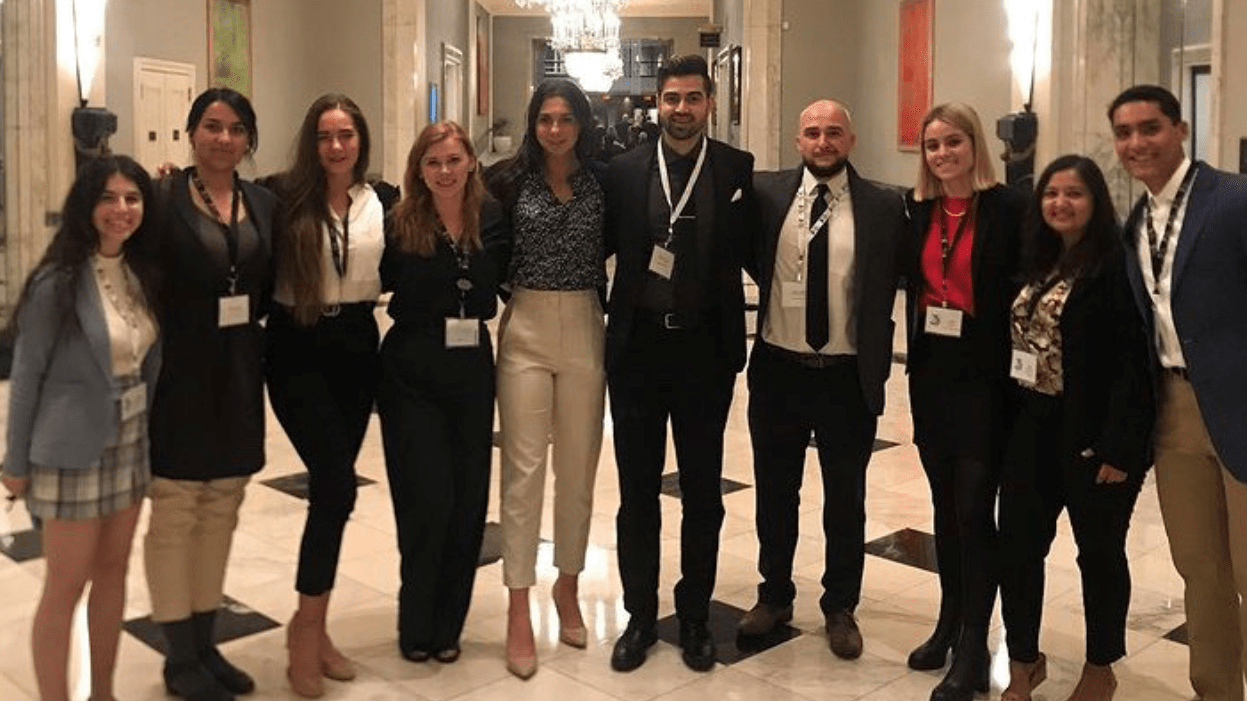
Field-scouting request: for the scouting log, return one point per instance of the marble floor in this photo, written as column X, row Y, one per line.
column 897, row 610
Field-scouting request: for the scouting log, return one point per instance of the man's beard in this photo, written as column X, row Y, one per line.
column 823, row 172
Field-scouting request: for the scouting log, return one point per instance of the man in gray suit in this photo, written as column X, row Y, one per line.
column 1187, row 262
column 828, row 255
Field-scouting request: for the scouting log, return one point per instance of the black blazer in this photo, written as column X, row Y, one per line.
column 628, row 238
column 1107, row 400
column 993, row 265
column 878, row 240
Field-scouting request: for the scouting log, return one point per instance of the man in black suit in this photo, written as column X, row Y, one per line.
column 828, row 259
column 677, row 211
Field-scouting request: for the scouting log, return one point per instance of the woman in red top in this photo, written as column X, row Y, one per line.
column 966, row 232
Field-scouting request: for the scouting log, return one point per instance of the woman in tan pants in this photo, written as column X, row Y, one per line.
column 551, row 380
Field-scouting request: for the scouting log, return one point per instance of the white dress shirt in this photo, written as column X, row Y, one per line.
column 361, row 282
column 1168, row 347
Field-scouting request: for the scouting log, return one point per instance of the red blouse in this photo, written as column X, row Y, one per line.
column 958, row 287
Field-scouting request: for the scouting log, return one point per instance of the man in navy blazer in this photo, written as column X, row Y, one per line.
column 677, row 212
column 828, row 255
column 1187, row 238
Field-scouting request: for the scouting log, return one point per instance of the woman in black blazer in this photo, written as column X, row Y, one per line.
column 1082, row 423
column 966, row 230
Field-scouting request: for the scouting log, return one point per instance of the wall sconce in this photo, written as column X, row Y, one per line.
column 91, row 126
column 1020, row 130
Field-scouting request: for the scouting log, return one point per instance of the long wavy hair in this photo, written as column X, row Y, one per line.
column 1042, row 250
column 503, row 179
column 415, row 219
column 303, row 211
column 77, row 239
column 963, row 117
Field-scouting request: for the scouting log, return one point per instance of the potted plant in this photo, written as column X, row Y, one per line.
column 501, row 139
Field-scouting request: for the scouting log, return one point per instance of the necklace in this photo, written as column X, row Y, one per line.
column 960, row 214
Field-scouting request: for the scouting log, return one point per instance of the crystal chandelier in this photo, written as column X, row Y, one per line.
column 586, row 32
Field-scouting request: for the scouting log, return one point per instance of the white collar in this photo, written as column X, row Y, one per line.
column 1170, row 190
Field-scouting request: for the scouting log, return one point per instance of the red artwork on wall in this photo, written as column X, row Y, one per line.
column 914, row 85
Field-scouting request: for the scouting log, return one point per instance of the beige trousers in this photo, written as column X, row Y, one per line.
column 187, row 543
column 551, row 389
column 1205, row 512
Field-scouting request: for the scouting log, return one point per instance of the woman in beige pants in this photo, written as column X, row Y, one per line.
column 551, row 381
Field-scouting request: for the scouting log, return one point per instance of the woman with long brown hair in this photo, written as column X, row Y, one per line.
column 444, row 258
column 322, row 351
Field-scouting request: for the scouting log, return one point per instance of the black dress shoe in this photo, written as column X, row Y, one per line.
column 933, row 653
column 763, row 618
column 630, row 648
column 697, row 645
column 843, row 636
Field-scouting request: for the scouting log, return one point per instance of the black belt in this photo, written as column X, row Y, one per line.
column 332, row 310
column 671, row 320
column 816, row 361
column 1176, row 372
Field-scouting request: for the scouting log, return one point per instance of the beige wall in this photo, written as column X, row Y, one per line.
column 1231, row 118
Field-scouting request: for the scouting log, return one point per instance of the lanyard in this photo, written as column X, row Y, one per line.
column 129, row 313
column 946, row 247
column 1037, row 293
column 462, row 281
column 231, row 229
column 803, row 244
column 677, row 208
column 341, row 251
column 1160, row 248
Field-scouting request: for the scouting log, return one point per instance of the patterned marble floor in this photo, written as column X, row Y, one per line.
column 897, row 610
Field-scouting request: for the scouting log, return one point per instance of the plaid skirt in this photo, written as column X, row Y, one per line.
column 118, row 480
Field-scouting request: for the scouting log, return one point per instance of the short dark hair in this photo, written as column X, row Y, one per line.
column 688, row 64
column 1165, row 100
column 236, row 101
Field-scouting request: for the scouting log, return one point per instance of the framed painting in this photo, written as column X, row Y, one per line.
column 482, row 67
column 915, row 68
column 229, row 44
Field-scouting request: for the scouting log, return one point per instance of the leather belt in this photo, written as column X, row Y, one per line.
column 815, row 361
column 672, row 321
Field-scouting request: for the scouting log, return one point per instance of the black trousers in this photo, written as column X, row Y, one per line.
column 437, row 412
column 321, row 382
column 676, row 375
column 786, row 402
column 1042, row 477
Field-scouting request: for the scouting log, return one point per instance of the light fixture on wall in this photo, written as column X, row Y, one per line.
column 1020, row 130
column 91, row 126
column 586, row 32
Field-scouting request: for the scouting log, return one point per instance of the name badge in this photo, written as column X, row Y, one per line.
column 233, row 310
column 134, row 401
column 1024, row 367
column 942, row 321
column 662, row 262
column 462, row 333
column 793, row 294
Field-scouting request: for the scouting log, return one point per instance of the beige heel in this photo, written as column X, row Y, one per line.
column 303, row 646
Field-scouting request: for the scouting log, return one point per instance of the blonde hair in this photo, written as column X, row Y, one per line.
column 961, row 116
column 415, row 221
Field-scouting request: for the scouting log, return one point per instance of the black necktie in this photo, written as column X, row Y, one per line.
column 816, row 333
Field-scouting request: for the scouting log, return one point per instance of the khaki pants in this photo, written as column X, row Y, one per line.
column 1205, row 513
column 551, row 388
column 187, row 543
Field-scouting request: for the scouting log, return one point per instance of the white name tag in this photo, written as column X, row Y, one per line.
column 1024, row 367
column 793, row 294
column 134, row 401
column 233, row 310
column 942, row 321
column 662, row 262
column 462, row 333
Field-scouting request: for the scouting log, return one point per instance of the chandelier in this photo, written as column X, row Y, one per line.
column 586, row 32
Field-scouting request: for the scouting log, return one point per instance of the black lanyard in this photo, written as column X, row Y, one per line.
column 1038, row 291
column 1161, row 247
column 947, row 247
column 341, row 252
column 462, row 281
column 231, row 229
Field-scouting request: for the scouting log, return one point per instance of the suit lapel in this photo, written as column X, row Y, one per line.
column 90, row 310
column 1133, row 271
column 1203, row 189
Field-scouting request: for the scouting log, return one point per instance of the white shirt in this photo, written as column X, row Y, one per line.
column 1168, row 347
column 361, row 282
column 785, row 325
column 131, row 328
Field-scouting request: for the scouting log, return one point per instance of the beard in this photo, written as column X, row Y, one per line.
column 823, row 172
column 681, row 130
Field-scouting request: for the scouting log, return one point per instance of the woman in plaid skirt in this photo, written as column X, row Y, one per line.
column 85, row 358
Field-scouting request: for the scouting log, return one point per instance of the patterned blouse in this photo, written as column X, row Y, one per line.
column 558, row 245
column 1036, row 328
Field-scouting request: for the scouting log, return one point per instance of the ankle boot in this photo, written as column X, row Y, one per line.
column 232, row 678
column 184, row 672
column 933, row 653
column 967, row 674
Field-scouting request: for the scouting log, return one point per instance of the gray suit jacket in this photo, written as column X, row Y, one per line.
column 878, row 239
column 63, row 398
column 1209, row 290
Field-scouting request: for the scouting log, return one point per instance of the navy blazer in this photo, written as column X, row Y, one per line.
column 1208, row 296
column 878, row 244
column 64, row 401
column 728, row 217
